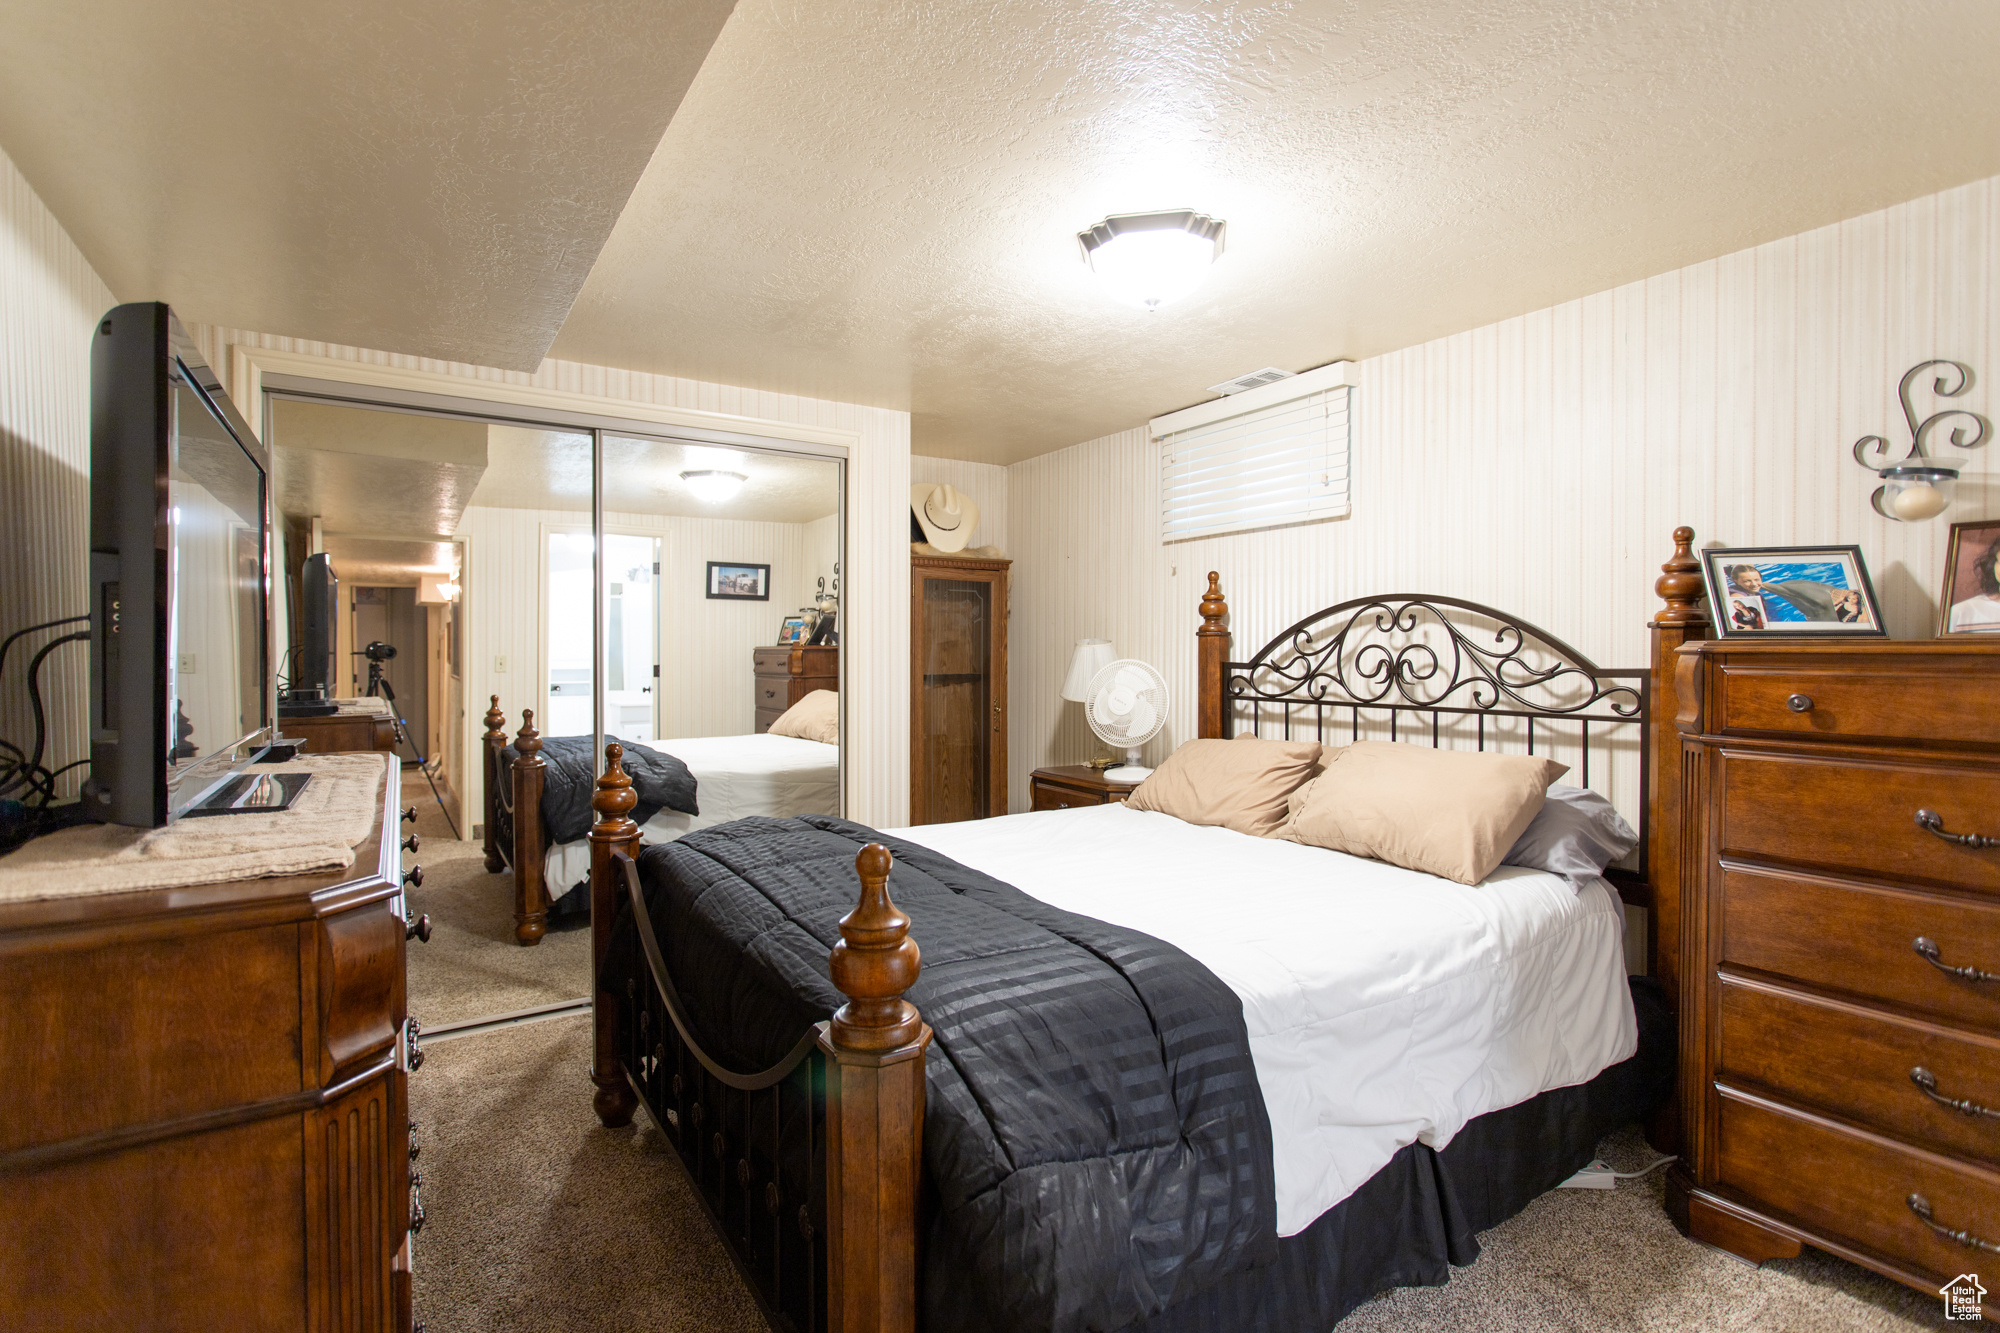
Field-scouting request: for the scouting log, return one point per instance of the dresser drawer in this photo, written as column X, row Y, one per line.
column 1857, row 1063
column 1854, row 1185
column 1854, row 814
column 774, row 693
column 1053, row 796
column 1839, row 702
column 1861, row 940
column 766, row 716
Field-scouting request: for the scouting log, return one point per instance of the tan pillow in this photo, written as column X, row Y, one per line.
column 1240, row 784
column 1452, row 813
column 813, row 718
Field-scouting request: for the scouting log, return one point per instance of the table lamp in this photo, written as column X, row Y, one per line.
column 1091, row 656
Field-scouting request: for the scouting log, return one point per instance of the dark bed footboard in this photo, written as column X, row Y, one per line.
column 514, row 836
column 811, row 1168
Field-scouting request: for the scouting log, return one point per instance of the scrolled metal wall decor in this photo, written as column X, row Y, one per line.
column 1917, row 468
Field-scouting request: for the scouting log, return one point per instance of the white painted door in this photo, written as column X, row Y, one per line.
column 631, row 637
column 566, row 649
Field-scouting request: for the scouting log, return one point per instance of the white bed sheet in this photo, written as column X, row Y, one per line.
column 734, row 776
column 1384, row 1006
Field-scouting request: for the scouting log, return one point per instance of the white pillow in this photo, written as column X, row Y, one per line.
column 813, row 718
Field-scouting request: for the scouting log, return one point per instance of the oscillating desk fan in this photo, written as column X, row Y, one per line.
column 1126, row 705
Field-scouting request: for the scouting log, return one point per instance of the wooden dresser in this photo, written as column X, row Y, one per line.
column 1840, row 937
column 785, row 675
column 353, row 728
column 1062, row 786
column 958, row 688
column 203, row 1114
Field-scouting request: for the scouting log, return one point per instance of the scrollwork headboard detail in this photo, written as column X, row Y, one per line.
column 1413, row 667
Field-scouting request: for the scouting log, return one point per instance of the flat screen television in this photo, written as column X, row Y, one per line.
column 181, row 701
column 310, row 673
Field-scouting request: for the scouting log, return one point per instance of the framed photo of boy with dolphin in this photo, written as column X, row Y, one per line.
column 1782, row 591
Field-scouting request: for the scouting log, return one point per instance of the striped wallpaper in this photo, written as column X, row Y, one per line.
column 1539, row 464
column 50, row 301
column 984, row 483
column 874, row 585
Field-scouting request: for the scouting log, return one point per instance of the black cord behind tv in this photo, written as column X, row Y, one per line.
column 181, row 697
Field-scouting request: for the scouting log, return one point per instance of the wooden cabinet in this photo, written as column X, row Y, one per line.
column 958, row 689
column 203, row 1109
column 1064, row 786
column 785, row 675
column 1840, row 938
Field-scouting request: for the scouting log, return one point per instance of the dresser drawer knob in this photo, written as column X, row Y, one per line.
column 1927, row 1083
column 1930, row 821
column 414, row 877
column 410, row 1030
column 1928, row 950
column 410, row 843
column 1800, row 703
column 1922, row 1208
column 416, row 1202
column 417, row 928
column 409, row 814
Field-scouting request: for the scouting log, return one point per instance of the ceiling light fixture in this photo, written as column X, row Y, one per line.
column 713, row 485
column 1149, row 259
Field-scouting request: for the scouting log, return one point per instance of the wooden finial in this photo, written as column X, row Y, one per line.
column 614, row 797
column 1679, row 584
column 496, row 722
column 874, row 963
column 1213, row 607
column 529, row 741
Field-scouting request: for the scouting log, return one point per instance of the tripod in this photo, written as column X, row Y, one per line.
column 379, row 688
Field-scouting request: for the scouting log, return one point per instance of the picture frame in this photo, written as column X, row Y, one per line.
column 1969, row 604
column 1762, row 592
column 793, row 630
column 738, row 581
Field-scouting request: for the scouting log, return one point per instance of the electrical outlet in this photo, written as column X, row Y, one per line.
column 187, row 664
column 500, row 664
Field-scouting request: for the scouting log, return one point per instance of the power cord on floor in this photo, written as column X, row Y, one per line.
column 1599, row 1175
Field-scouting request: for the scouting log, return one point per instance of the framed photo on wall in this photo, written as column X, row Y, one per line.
column 1971, row 600
column 730, row 581
column 1785, row 591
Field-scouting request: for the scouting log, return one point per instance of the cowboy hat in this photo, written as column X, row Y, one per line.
column 945, row 513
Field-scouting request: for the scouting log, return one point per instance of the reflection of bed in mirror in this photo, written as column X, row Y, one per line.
column 734, row 777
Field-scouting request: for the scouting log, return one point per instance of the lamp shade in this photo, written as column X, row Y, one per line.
column 1092, row 656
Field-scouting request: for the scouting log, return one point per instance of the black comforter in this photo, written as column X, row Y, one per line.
column 1095, row 1133
column 660, row 781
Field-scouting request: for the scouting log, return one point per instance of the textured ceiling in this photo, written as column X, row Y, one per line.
column 380, row 474
column 389, row 564
column 430, row 178
column 876, row 201
column 532, row 469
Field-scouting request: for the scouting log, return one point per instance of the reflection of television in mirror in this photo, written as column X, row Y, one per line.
column 180, row 697
column 309, row 683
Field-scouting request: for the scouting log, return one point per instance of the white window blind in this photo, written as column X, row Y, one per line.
column 1276, row 464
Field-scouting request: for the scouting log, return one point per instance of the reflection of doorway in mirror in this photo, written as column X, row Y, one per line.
column 566, row 649
column 631, row 641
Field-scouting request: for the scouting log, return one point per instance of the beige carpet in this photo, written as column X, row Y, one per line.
column 540, row 1219
column 472, row 967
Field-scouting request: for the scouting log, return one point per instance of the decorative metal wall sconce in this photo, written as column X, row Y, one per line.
column 1919, row 486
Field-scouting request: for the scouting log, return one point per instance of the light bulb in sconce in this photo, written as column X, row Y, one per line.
column 1919, row 487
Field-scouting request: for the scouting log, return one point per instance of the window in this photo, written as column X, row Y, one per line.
column 1265, row 458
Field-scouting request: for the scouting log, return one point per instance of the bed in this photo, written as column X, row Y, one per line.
column 734, row 776
column 1393, row 1136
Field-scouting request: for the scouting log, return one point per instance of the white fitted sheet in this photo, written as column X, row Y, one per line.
column 1385, row 1006
column 734, row 776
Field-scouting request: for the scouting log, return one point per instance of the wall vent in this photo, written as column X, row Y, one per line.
column 1256, row 379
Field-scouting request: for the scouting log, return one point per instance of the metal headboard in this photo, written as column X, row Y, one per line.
column 1348, row 666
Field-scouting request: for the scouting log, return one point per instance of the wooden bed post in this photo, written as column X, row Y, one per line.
column 1212, row 650
column 1679, row 622
column 613, row 831
column 496, row 741
column 874, row 1114
column 531, row 904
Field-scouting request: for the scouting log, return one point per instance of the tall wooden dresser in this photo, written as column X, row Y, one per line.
column 958, row 688
column 1840, row 937
column 787, row 674
column 203, row 1109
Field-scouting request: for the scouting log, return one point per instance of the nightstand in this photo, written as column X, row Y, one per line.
column 1068, row 785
